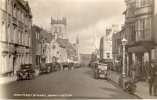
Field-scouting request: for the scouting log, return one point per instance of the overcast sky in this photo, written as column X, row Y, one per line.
column 84, row 17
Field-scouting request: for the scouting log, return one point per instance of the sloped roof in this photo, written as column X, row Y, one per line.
column 63, row 42
column 46, row 35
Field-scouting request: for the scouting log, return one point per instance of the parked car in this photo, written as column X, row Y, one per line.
column 77, row 65
column 26, row 72
column 44, row 69
column 101, row 70
column 50, row 66
column 56, row 66
column 65, row 65
column 71, row 65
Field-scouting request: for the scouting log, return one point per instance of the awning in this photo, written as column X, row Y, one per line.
column 137, row 49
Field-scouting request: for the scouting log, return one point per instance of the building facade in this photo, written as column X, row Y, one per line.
column 15, row 35
column 106, row 43
column 141, row 46
column 46, row 39
column 36, row 45
column 58, row 50
column 140, row 32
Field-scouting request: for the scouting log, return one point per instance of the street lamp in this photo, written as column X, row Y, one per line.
column 124, row 41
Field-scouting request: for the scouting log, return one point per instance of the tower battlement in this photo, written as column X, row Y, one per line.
column 59, row 21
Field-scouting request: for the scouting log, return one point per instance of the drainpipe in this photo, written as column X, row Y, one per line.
column 8, row 63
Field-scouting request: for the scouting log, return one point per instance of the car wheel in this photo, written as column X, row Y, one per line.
column 18, row 79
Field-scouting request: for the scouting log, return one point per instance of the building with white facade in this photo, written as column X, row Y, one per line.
column 106, row 43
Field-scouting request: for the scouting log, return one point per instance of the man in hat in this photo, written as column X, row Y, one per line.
column 155, row 78
column 152, row 77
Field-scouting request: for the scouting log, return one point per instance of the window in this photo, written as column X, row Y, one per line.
column 144, row 2
column 143, row 30
column 148, row 23
column 43, row 51
column 10, row 33
column 60, row 29
column 14, row 33
column 108, row 55
column 43, row 41
column 21, row 38
column 25, row 38
column 55, row 29
column 18, row 14
column 36, row 35
column 21, row 16
column 14, row 11
column 3, row 31
column 25, row 21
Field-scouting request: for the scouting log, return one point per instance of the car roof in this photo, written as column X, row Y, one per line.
column 102, row 64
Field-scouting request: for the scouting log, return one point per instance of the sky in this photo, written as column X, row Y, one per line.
column 84, row 17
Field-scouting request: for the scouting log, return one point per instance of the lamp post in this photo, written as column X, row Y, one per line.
column 124, row 41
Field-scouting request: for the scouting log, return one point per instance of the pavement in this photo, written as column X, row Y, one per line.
column 142, row 89
column 64, row 84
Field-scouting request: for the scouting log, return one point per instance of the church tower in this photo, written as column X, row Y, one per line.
column 58, row 28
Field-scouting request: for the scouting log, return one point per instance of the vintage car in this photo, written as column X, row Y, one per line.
column 44, row 68
column 66, row 65
column 56, row 66
column 77, row 65
column 26, row 72
column 101, row 70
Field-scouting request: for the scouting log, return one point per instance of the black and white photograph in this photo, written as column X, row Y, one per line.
column 78, row 49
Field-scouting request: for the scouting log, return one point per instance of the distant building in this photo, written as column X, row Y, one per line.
column 58, row 50
column 46, row 45
column 58, row 28
column 106, row 43
column 64, row 51
column 15, row 35
column 95, row 50
column 60, row 47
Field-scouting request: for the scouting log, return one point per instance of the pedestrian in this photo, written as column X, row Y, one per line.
column 152, row 77
column 155, row 78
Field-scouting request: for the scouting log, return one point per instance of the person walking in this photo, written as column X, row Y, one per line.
column 155, row 79
column 152, row 77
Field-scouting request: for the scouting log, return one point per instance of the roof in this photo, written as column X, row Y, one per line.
column 63, row 42
column 26, row 6
column 46, row 35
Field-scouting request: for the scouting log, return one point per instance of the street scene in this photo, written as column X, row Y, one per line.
column 70, row 84
column 78, row 49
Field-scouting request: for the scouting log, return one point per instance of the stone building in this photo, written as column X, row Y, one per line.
column 140, row 32
column 58, row 28
column 58, row 50
column 106, row 43
column 36, row 45
column 61, row 49
column 15, row 35
column 46, row 39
